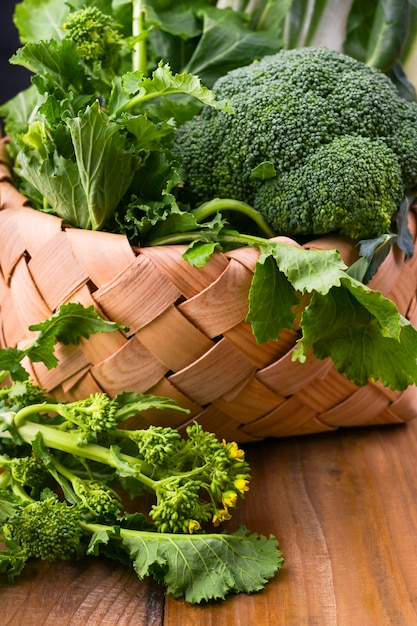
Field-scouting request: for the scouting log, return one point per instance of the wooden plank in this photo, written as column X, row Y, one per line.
column 94, row 591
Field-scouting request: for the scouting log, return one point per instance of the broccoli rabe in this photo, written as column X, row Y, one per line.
column 68, row 469
column 339, row 142
column 196, row 481
column 94, row 35
column 189, row 477
column 196, row 566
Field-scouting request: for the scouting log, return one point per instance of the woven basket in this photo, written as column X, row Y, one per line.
column 188, row 338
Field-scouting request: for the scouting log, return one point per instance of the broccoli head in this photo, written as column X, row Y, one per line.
column 341, row 141
column 350, row 177
column 94, row 35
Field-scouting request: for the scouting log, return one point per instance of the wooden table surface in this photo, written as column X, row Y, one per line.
column 344, row 508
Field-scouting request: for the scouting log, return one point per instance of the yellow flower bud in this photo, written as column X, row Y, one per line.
column 221, row 516
column 193, row 525
column 234, row 451
column 229, row 498
column 241, row 484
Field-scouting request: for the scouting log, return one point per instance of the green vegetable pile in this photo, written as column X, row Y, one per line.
column 218, row 124
column 65, row 466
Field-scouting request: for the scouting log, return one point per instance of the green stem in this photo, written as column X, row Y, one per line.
column 64, row 471
column 20, row 492
column 139, row 55
column 229, row 204
column 69, row 442
column 127, row 533
column 223, row 237
column 144, row 97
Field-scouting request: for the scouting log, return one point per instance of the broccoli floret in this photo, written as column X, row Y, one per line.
column 94, row 415
column 97, row 498
column 95, row 36
column 351, row 176
column 27, row 471
column 22, row 393
column 156, row 444
column 300, row 110
column 46, row 529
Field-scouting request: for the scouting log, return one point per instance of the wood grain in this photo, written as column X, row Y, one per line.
column 344, row 508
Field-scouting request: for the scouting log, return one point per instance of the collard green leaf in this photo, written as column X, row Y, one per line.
column 105, row 162
column 227, row 42
column 57, row 180
column 271, row 298
column 84, row 187
column 363, row 333
column 389, row 33
column 377, row 32
column 205, row 567
column 176, row 18
column 42, row 19
column 55, row 62
column 307, row 270
column 19, row 109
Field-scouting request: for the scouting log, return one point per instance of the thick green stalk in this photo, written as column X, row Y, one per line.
column 229, row 204
column 139, row 55
column 69, row 442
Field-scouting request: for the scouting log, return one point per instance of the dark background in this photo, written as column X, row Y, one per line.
column 12, row 77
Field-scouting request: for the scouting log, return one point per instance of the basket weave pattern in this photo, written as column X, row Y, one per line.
column 187, row 336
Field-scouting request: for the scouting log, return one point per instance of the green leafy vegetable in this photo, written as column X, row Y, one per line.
column 98, row 148
column 86, row 452
column 231, row 563
column 71, row 322
column 363, row 334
